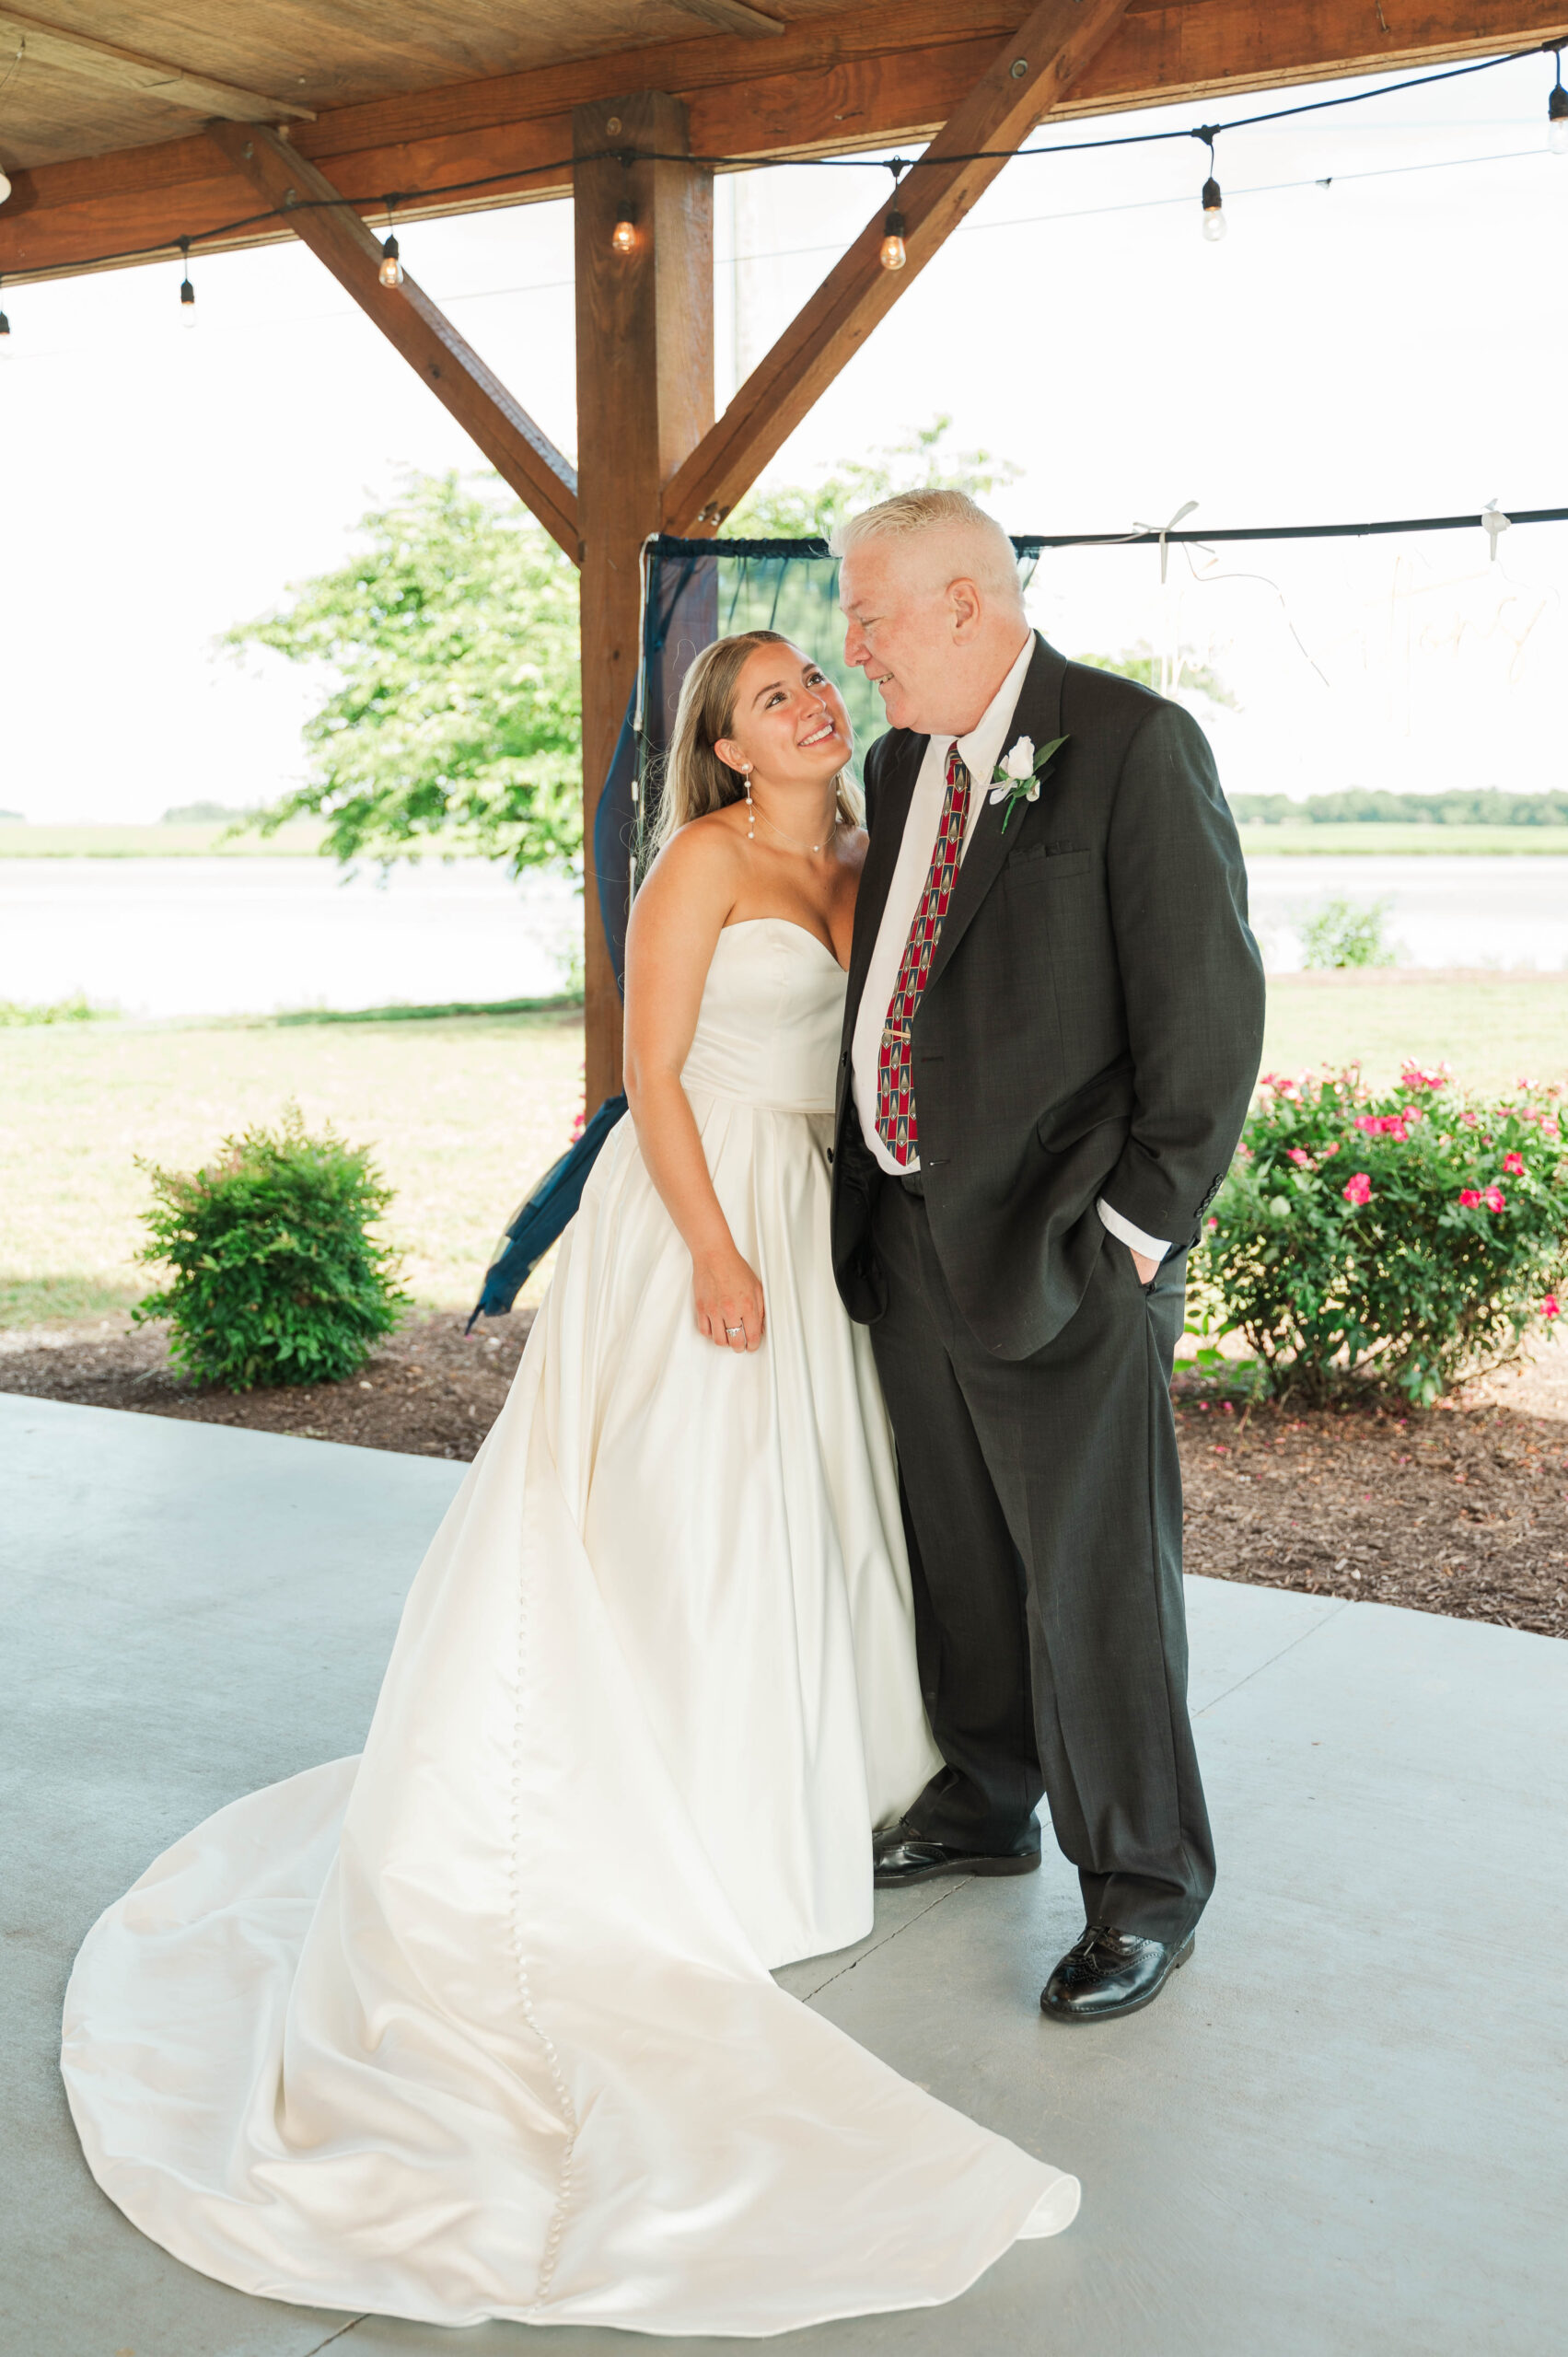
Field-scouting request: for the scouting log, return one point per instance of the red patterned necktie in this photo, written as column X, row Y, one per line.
column 896, row 1123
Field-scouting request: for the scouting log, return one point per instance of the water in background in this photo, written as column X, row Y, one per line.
column 259, row 936
column 1459, row 911
column 232, row 937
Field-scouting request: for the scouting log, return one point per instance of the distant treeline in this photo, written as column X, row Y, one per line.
column 1488, row 808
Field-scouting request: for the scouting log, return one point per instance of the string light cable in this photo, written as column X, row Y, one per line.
column 1556, row 114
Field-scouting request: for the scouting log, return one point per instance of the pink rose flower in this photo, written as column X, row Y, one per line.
column 1359, row 1187
column 1493, row 1199
column 1513, row 1166
column 1469, row 1197
column 1328, row 1150
column 1299, row 1156
column 1551, row 1306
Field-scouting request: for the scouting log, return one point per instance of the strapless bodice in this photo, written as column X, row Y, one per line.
column 772, row 1014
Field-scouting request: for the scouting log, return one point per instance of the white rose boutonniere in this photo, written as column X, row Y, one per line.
column 1019, row 771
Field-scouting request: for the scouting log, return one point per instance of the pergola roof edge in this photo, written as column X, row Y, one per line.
column 865, row 77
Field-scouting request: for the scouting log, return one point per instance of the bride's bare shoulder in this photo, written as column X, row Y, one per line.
column 698, row 870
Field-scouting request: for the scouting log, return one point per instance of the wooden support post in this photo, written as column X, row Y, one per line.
column 1034, row 71
column 644, row 400
column 521, row 454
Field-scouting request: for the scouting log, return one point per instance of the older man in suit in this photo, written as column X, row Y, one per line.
column 1053, row 1026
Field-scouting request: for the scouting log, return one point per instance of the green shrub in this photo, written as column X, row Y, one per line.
column 1346, row 933
column 76, row 1009
column 1405, row 1238
column 276, row 1278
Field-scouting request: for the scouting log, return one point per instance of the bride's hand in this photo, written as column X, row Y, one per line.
column 728, row 1298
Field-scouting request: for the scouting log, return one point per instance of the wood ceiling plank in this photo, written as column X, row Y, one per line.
column 1038, row 64
column 521, row 453
column 868, row 75
column 122, row 69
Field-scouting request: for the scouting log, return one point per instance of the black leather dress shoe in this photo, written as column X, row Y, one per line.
column 1109, row 1973
column 901, row 1855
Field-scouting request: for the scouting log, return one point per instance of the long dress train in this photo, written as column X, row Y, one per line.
column 481, row 2023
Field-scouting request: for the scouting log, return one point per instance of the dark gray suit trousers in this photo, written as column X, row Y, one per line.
column 1042, row 1503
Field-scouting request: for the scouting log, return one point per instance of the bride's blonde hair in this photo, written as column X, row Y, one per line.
column 695, row 779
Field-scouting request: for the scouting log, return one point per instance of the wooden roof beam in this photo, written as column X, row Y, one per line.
column 521, row 454
column 1027, row 76
column 146, row 77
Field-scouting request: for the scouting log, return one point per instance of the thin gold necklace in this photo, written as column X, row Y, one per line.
column 753, row 812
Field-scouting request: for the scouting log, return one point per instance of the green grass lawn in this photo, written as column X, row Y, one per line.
column 464, row 1113
column 1489, row 1028
column 300, row 840
column 1387, row 836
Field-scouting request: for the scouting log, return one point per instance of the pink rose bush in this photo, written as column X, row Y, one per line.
column 1412, row 1268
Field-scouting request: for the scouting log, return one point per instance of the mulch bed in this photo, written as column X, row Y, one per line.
column 1460, row 1509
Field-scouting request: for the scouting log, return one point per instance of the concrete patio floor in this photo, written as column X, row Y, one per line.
column 1344, row 2128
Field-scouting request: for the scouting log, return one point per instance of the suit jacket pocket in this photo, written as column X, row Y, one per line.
column 1048, row 863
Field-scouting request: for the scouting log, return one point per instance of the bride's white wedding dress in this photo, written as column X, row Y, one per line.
column 480, row 2024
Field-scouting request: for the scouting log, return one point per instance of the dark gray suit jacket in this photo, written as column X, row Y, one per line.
column 1094, row 1019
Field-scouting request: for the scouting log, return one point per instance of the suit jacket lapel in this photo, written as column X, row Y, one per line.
column 1036, row 715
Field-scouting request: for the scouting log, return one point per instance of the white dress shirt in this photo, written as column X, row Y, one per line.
column 980, row 752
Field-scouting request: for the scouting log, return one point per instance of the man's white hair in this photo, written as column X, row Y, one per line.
column 986, row 551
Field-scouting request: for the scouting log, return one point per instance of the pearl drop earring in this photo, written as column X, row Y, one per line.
column 751, row 806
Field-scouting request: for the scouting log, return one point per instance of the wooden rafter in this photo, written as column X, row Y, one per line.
column 1039, row 63
column 147, row 77
column 523, row 455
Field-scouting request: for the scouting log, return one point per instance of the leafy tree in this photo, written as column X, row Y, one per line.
column 1456, row 807
column 456, row 726
column 920, row 462
column 1167, row 678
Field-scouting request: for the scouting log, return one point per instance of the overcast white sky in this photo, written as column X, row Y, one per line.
column 1393, row 343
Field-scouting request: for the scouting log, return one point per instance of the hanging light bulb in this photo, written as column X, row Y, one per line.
column 623, row 237
column 187, row 291
column 1215, row 223
column 894, row 252
column 392, row 271
column 1556, row 114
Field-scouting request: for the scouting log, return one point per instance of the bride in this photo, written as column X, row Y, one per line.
column 481, row 2023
